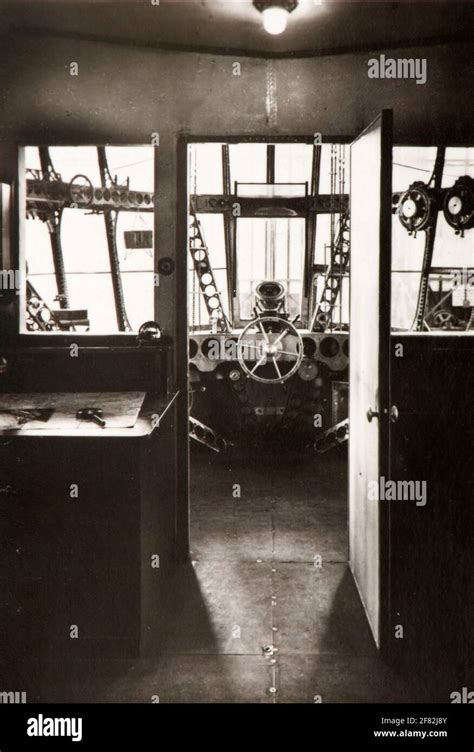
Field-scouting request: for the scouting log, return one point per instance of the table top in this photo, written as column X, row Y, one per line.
column 149, row 413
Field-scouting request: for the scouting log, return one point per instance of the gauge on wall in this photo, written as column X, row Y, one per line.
column 458, row 206
column 417, row 207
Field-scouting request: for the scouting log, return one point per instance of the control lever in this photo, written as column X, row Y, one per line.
column 92, row 414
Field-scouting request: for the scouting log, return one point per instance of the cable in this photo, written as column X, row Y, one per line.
column 132, row 164
column 423, row 169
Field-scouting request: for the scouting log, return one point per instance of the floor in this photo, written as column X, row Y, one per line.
column 269, row 549
column 267, row 611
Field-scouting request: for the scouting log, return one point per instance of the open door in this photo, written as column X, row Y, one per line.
column 369, row 420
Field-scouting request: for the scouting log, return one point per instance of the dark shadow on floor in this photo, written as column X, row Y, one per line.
column 266, row 611
column 341, row 662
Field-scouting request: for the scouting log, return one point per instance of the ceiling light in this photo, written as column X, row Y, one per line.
column 275, row 20
column 275, row 13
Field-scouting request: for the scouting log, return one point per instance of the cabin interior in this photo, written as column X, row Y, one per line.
column 237, row 318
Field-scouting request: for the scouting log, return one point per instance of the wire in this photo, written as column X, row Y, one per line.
column 423, row 169
column 132, row 164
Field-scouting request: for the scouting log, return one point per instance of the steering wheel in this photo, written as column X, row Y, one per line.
column 444, row 319
column 81, row 191
column 272, row 337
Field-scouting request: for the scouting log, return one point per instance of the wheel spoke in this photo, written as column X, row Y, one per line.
column 260, row 362
column 276, row 367
column 265, row 335
column 280, row 336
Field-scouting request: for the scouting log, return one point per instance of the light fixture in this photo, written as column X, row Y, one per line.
column 275, row 13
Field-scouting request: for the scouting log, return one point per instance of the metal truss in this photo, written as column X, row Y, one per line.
column 430, row 233
column 337, row 268
column 202, row 266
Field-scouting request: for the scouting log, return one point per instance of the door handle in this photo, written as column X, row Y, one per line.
column 372, row 414
column 394, row 414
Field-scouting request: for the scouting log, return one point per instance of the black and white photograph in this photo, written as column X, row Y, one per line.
column 237, row 366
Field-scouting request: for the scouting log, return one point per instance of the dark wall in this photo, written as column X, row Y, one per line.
column 124, row 94
column 431, row 545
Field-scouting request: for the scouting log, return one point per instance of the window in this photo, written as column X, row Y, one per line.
column 88, row 239
column 267, row 211
column 270, row 249
column 450, row 276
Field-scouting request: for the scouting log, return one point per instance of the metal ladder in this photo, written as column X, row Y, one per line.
column 338, row 266
column 202, row 266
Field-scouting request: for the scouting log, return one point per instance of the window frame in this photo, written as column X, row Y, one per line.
column 63, row 339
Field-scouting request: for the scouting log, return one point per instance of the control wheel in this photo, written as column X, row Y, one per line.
column 263, row 342
column 81, row 191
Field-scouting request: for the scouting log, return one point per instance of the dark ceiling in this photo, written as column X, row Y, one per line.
column 234, row 26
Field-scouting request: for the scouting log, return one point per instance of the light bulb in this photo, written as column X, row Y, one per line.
column 275, row 19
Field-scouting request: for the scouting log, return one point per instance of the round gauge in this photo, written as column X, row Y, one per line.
column 455, row 205
column 308, row 370
column 417, row 207
column 409, row 208
column 459, row 205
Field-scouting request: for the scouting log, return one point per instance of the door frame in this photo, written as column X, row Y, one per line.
column 183, row 508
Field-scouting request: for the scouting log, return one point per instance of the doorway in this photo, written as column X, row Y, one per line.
column 280, row 618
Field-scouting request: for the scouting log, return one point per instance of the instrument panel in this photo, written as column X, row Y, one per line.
column 209, row 351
